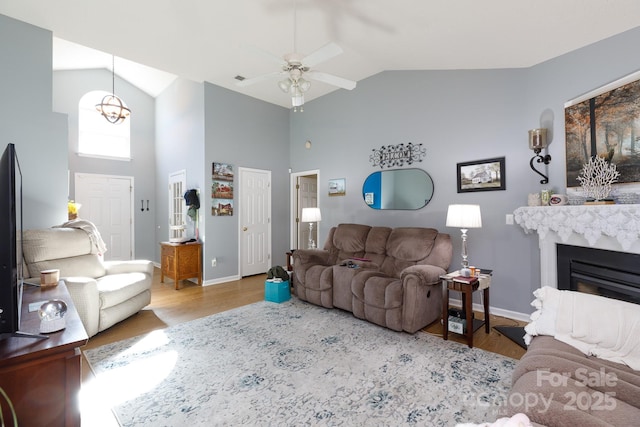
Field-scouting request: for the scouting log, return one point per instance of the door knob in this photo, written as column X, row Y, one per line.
column 244, row 228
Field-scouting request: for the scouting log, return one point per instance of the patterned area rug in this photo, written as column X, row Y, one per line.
column 295, row 364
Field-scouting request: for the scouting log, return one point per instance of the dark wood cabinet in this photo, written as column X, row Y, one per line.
column 181, row 261
column 42, row 376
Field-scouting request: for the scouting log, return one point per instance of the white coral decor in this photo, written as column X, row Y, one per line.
column 596, row 178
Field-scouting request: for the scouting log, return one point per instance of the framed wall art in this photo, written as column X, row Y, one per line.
column 337, row 187
column 605, row 123
column 222, row 189
column 481, row 175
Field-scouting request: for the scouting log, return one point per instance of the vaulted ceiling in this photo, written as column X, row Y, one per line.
column 214, row 41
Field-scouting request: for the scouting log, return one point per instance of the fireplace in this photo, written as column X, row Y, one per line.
column 602, row 272
column 610, row 228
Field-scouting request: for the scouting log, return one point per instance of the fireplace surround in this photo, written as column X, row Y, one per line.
column 607, row 227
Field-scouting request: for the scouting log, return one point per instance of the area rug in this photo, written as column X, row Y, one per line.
column 295, row 364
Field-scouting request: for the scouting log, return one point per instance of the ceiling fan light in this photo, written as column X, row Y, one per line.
column 285, row 85
column 304, row 84
column 297, row 99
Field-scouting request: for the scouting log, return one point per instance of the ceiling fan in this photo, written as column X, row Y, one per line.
column 297, row 72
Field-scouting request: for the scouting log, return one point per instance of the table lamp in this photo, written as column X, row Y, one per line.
column 464, row 217
column 311, row 215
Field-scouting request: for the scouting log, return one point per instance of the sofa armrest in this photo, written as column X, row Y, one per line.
column 133, row 266
column 426, row 274
column 84, row 292
column 307, row 257
column 422, row 296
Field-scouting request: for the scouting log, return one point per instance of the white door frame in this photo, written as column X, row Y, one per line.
column 293, row 177
column 238, row 209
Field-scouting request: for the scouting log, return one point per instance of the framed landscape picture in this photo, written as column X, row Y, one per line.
column 337, row 187
column 605, row 123
column 481, row 175
column 222, row 189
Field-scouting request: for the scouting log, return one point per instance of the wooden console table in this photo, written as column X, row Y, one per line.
column 42, row 376
column 181, row 261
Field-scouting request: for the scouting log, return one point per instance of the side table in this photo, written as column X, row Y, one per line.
column 449, row 282
column 180, row 261
column 289, row 265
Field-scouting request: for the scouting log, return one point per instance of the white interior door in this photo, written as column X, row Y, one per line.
column 255, row 221
column 307, row 198
column 107, row 201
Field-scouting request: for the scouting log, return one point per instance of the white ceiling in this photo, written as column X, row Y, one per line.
column 214, row 40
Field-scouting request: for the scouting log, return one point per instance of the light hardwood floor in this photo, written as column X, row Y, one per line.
column 170, row 307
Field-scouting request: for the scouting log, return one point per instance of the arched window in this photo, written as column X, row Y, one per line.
column 96, row 136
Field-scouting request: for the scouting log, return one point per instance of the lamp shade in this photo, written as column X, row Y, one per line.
column 311, row 215
column 464, row 216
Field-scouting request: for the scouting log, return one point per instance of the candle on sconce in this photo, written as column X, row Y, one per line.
column 537, row 139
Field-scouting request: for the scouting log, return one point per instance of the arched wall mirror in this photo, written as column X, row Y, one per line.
column 398, row 189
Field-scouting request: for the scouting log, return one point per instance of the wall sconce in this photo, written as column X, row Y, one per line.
column 537, row 142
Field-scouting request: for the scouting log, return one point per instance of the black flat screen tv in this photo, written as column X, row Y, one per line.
column 11, row 274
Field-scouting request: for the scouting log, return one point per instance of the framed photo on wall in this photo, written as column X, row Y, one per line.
column 222, row 189
column 337, row 187
column 481, row 175
column 605, row 122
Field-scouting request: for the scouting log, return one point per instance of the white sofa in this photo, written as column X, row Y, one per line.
column 104, row 292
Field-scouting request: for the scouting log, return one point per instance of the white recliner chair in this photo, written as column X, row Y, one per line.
column 104, row 292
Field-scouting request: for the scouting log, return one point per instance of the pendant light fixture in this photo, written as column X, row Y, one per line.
column 112, row 107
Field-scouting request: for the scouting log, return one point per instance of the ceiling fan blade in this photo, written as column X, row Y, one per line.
column 331, row 79
column 262, row 78
column 267, row 55
column 326, row 52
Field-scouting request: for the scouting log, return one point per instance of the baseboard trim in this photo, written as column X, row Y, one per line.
column 524, row 317
column 221, row 280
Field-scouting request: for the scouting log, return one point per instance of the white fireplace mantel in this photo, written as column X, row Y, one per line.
column 610, row 227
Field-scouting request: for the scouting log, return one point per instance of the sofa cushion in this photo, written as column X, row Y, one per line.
column 117, row 288
column 66, row 249
column 411, row 243
column 351, row 238
column 53, row 243
column 83, row 265
column 377, row 240
column 573, row 388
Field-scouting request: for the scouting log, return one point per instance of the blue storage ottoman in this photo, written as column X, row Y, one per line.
column 277, row 291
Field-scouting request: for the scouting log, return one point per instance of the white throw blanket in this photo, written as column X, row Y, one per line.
column 89, row 228
column 595, row 325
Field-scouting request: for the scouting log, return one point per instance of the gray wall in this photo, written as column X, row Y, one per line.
column 68, row 88
column 26, row 119
column 458, row 116
column 253, row 134
column 198, row 124
column 179, row 146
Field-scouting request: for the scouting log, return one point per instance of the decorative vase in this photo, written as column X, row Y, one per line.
column 534, row 199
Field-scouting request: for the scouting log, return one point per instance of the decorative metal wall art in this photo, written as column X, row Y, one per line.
column 397, row 155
